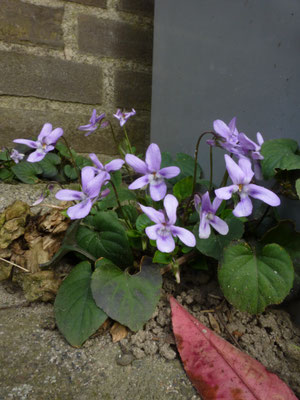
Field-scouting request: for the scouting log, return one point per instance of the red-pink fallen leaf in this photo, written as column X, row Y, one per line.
column 217, row 369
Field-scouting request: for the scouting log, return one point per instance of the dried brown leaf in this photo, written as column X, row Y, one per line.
column 118, row 332
column 214, row 324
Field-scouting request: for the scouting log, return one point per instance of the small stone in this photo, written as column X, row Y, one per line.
column 189, row 299
column 138, row 353
column 138, row 338
column 161, row 319
column 157, row 330
column 150, row 347
column 166, row 352
column 124, row 359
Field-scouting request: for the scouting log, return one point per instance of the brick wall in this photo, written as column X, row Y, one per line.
column 59, row 59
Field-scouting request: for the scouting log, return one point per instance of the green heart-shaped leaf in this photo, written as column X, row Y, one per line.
column 130, row 212
column 281, row 154
column 48, row 165
column 128, row 299
column 286, row 236
column 70, row 172
column 214, row 245
column 183, row 188
column 27, row 172
column 162, row 258
column 6, row 174
column 76, row 313
column 253, row 280
column 103, row 235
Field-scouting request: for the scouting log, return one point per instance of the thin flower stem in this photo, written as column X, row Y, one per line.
column 117, row 145
column 211, row 167
column 195, row 173
column 262, row 217
column 113, row 133
column 196, row 156
column 119, row 204
column 72, row 159
column 127, row 139
column 15, row 265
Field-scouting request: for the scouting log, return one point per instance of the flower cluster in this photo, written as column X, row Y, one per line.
column 238, row 143
column 153, row 177
column 241, row 174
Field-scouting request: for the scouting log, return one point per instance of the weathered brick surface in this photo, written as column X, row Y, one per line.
column 133, row 89
column 143, row 7
column 27, row 23
column 28, row 123
column 49, row 78
column 113, row 39
column 95, row 3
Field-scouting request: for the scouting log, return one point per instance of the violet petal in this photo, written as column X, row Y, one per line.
column 225, row 193
column 235, row 172
column 139, row 183
column 263, row 194
column 158, row 192
column 243, row 208
column 169, row 172
column 29, row 143
column 165, row 244
column 151, row 231
column 68, row 195
column 184, row 235
column 36, row 156
column 219, row 225
column 114, row 165
column 136, row 163
column 171, row 204
column 155, row 216
column 80, row 210
column 153, row 157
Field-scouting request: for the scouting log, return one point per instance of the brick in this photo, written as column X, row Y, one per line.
column 49, row 78
column 133, row 89
column 114, row 39
column 143, row 7
column 28, row 124
column 30, row 24
column 95, row 3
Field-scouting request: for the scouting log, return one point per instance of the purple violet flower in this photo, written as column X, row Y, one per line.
column 228, row 133
column 241, row 175
column 123, row 116
column 207, row 213
column 45, row 141
column 91, row 186
column 95, row 122
column 164, row 228
column 113, row 165
column 16, row 156
column 152, row 174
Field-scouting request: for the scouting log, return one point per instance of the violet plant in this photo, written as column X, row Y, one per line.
column 135, row 219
